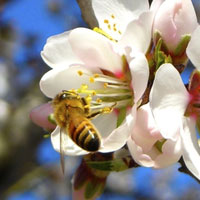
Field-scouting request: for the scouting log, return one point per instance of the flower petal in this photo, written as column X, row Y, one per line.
column 145, row 134
column 70, row 148
column 39, row 116
column 119, row 12
column 64, row 78
column 191, row 149
column 168, row 100
column 171, row 153
column 138, row 33
column 140, row 74
column 57, row 51
column 105, row 123
column 94, row 49
column 193, row 49
column 120, row 135
column 138, row 154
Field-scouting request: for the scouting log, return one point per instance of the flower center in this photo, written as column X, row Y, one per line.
column 193, row 108
column 115, row 93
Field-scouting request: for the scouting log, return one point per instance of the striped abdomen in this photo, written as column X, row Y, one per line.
column 84, row 135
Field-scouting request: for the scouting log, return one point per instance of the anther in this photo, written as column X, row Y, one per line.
column 91, row 79
column 84, row 87
column 106, row 21
column 80, row 73
column 105, row 85
column 113, row 16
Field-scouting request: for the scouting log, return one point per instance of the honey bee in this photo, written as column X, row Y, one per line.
column 73, row 116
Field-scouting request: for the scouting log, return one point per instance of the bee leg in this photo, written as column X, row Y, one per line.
column 86, row 105
column 101, row 111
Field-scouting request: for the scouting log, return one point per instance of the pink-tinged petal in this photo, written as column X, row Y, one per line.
column 155, row 5
column 193, row 49
column 138, row 33
column 168, row 100
column 191, row 149
column 119, row 12
column 64, row 78
column 70, row 148
column 57, row 51
column 145, row 134
column 138, row 154
column 171, row 19
column 39, row 116
column 140, row 74
column 95, row 50
column 120, row 135
column 171, row 153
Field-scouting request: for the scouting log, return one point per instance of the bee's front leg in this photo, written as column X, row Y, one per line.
column 100, row 111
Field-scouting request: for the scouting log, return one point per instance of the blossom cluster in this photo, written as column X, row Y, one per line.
column 133, row 63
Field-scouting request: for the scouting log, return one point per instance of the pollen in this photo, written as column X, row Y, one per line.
column 80, row 73
column 114, row 29
column 96, row 75
column 84, row 87
column 91, row 79
column 113, row 16
column 106, row 21
column 86, row 106
column 107, row 110
column 105, row 85
column 88, row 98
column 109, row 26
column 120, row 32
column 94, row 93
column 98, row 100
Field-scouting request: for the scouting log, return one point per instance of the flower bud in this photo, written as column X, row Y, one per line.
column 173, row 20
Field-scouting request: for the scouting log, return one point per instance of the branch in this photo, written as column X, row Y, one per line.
column 88, row 13
column 185, row 170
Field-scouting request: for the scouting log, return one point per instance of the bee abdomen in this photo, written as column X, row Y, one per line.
column 86, row 137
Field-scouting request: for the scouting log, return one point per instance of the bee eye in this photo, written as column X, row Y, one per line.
column 63, row 96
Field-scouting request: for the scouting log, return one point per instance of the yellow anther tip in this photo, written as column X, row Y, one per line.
column 84, row 86
column 106, row 21
column 105, row 85
column 91, row 79
column 96, row 75
column 80, row 73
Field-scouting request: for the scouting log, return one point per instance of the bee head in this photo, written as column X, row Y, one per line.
column 66, row 94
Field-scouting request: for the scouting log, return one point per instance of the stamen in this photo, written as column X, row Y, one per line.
column 106, row 21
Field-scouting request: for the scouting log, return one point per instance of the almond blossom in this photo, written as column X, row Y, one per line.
column 148, row 146
column 171, row 107
column 106, row 65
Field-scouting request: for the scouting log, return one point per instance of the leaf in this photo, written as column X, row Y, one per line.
column 113, row 165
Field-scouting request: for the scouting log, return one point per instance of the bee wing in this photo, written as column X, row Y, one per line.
column 62, row 147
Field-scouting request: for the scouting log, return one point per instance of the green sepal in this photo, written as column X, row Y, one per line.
column 113, row 165
column 51, row 119
column 159, row 145
column 93, row 189
column 121, row 116
column 160, row 56
column 182, row 45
